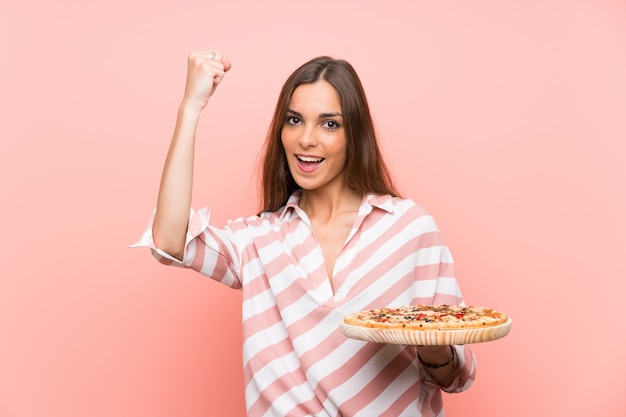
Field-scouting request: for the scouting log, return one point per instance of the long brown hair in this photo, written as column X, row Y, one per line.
column 365, row 168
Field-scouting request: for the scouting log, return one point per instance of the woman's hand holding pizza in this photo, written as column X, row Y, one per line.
column 434, row 353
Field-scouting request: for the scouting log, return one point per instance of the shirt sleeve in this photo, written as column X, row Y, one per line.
column 448, row 292
column 210, row 250
column 443, row 282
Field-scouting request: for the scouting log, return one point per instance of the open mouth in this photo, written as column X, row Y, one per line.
column 308, row 163
column 309, row 159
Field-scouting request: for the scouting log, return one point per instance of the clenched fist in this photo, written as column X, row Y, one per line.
column 205, row 70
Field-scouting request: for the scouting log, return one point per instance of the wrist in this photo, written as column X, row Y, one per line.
column 191, row 107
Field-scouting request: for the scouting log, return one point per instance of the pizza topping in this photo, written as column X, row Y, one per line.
column 427, row 317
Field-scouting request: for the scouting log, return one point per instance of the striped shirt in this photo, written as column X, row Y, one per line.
column 296, row 360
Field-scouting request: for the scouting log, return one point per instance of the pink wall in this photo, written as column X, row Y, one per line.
column 506, row 119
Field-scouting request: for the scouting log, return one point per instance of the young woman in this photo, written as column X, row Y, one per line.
column 333, row 237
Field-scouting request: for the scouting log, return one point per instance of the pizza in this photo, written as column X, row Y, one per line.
column 427, row 317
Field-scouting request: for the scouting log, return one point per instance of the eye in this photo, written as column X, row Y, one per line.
column 293, row 121
column 331, row 125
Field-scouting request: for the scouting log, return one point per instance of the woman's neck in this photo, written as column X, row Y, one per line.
column 325, row 206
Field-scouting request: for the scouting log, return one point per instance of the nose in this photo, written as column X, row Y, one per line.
column 308, row 137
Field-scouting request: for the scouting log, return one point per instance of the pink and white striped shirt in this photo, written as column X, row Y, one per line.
column 296, row 360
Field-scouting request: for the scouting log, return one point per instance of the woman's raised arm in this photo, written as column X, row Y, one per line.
column 205, row 70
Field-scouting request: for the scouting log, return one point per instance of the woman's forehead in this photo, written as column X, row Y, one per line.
column 315, row 98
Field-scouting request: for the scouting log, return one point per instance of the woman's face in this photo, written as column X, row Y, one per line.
column 314, row 137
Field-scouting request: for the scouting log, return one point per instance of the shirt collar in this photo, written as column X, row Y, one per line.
column 383, row 202
column 292, row 203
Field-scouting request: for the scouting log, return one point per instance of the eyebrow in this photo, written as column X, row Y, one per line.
column 321, row 116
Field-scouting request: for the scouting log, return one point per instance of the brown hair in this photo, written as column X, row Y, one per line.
column 365, row 169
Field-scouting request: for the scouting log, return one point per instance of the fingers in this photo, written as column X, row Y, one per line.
column 205, row 70
column 432, row 349
column 212, row 62
column 215, row 58
column 226, row 63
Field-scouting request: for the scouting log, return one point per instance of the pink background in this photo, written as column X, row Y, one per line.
column 507, row 120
